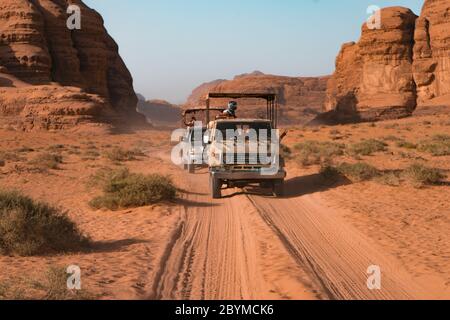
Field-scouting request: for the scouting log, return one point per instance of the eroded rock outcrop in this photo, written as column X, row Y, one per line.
column 396, row 70
column 374, row 78
column 300, row 98
column 432, row 54
column 39, row 50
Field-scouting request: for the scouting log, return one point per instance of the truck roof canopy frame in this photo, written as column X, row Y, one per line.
column 271, row 99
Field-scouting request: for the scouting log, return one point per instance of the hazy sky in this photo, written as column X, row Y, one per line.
column 172, row 46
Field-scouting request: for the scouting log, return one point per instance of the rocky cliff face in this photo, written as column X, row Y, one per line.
column 432, row 54
column 396, row 69
column 300, row 98
column 38, row 49
column 374, row 77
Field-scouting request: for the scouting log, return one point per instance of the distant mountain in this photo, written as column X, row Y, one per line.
column 300, row 98
column 159, row 112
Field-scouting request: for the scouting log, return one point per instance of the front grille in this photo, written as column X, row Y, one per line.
column 246, row 158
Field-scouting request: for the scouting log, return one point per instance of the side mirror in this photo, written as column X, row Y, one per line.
column 181, row 139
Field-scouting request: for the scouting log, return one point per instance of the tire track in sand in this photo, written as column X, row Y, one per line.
column 213, row 252
column 335, row 253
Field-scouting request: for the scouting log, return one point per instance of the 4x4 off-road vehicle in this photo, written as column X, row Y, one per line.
column 194, row 147
column 243, row 152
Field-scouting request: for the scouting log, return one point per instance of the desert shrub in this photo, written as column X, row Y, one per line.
column 389, row 178
column 50, row 285
column 392, row 138
column 329, row 173
column 437, row 146
column 358, row 172
column 367, row 147
column 420, row 175
column 25, row 149
column 391, row 126
column 30, row 228
column 10, row 156
column 123, row 189
column 47, row 161
column 90, row 155
column 2, row 162
column 11, row 291
column 406, row 145
column 316, row 152
column 118, row 154
column 56, row 148
column 285, row 151
column 54, row 286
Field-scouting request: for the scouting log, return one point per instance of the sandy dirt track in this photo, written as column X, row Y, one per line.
column 215, row 251
column 335, row 253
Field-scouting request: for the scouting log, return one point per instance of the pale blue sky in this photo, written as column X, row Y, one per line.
column 171, row 46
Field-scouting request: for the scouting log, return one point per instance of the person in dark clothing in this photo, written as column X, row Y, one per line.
column 231, row 111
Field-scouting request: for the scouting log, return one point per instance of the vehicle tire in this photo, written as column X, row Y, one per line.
column 278, row 188
column 185, row 166
column 216, row 187
column 191, row 168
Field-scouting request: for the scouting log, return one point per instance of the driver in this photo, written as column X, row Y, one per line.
column 191, row 123
column 231, row 111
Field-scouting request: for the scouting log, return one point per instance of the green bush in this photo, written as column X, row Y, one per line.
column 421, row 175
column 123, row 189
column 367, row 147
column 32, row 228
column 316, row 152
column 439, row 145
column 358, row 172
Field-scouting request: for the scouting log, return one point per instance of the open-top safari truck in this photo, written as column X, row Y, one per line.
column 243, row 152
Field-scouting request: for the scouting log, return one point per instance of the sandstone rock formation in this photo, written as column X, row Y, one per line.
column 300, row 98
column 374, row 77
column 395, row 70
column 159, row 112
column 39, row 50
column 432, row 54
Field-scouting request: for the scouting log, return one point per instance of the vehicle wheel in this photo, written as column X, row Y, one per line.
column 216, row 187
column 185, row 166
column 278, row 188
column 191, row 168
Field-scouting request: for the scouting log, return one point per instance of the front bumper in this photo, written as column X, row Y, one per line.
column 247, row 175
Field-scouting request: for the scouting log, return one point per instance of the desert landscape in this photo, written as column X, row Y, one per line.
column 86, row 180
